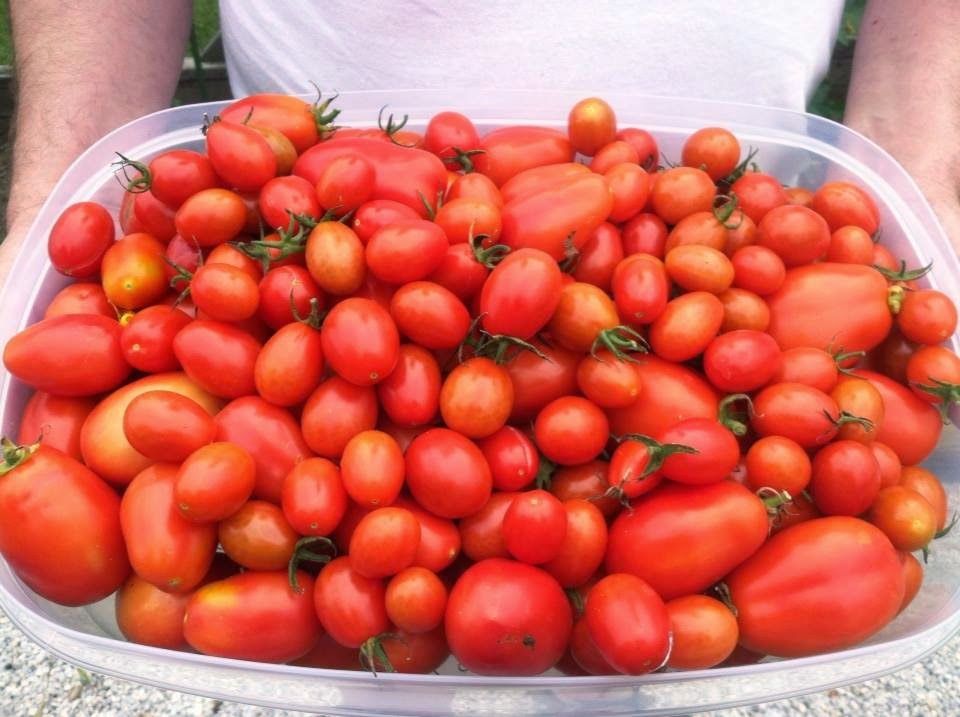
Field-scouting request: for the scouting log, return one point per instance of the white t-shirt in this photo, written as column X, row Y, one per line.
column 758, row 51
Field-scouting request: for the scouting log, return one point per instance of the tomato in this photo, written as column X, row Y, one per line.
column 134, row 273
column 447, row 473
column 850, row 245
column 167, row 426
column 406, row 251
column 81, row 298
column 211, row 217
column 845, row 479
column 409, row 653
column 461, row 219
column 103, row 444
column 481, row 532
column 155, row 217
column 384, row 542
column 583, row 313
column 571, row 430
column 695, row 267
column 741, row 232
column 912, row 571
column 521, row 294
column 803, row 311
column 449, row 133
column 55, row 421
column 282, row 197
column 612, row 154
column 147, row 340
column 214, row 482
column 258, row 536
column 165, row 548
column 375, row 214
column 149, row 616
column 628, row 623
column 743, row 310
column 758, row 269
column 797, row 411
column 591, row 124
column 129, row 224
column 905, row 517
column 545, row 220
column 933, row 372
column 704, row 632
column 335, row 413
column 845, row 204
column 716, row 451
column 335, row 258
column 929, row 486
column 635, row 466
column 892, row 355
column 681, row 191
column 430, row 315
column 681, row 539
column 680, row 393
column 410, row 395
column 779, row 463
column 819, row 586
column 219, row 357
column 927, row 316
column 535, row 180
column 224, row 293
column 644, row 234
column 889, row 462
column 460, row 272
column 859, row 398
column 253, row 616
column 360, row 341
column 372, row 468
column 79, row 238
column 346, row 184
column 538, row 381
column 686, row 326
column 640, row 288
column 351, row 607
column 177, row 174
column 742, row 360
column 796, row 234
column 757, row 194
column 631, row 187
column 184, row 253
column 510, row 150
column 54, row 503
column 240, row 155
column 402, row 174
column 714, row 150
column 599, row 257
column 270, row 434
column 910, row 426
column 439, row 538
column 313, row 497
column 416, row 600
column 476, row 398
column 507, row 618
column 70, row 355
column 799, row 195
column 276, row 289
column 811, row 366
column 584, row 544
column 608, row 381
column 291, row 116
column 699, row 229
column 534, row 527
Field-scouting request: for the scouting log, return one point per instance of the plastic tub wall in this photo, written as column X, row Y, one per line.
column 797, row 148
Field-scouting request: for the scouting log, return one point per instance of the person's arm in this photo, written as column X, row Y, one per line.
column 82, row 69
column 905, row 95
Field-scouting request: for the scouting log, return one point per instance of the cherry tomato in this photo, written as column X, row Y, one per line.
column 335, row 258
column 779, row 463
column 591, row 124
column 165, row 548
column 291, row 116
column 740, row 361
column 336, row 412
column 608, row 381
column 384, row 542
column 640, row 289
column 696, row 267
column 743, row 311
column 430, row 315
column 447, row 473
column 571, row 430
column 628, row 623
column 929, row 486
column 55, row 421
column 224, row 293
column 538, row 381
column 406, row 251
column 644, row 234
column 630, row 185
column 704, row 632
column 134, row 273
column 599, row 257
column 681, row 191
column 714, row 150
column 54, row 503
column 155, row 217
column 583, row 547
column 850, row 245
column 510, row 150
column 758, row 269
column 258, row 536
column 214, row 482
column 82, row 298
column 476, row 398
column 716, row 451
column 149, row 616
column 79, row 238
column 167, row 426
column 797, row 411
column 845, row 479
column 375, row 214
column 253, row 615
column 811, row 366
column 927, row 316
column 912, row 577
column 741, row 232
column 346, row 184
column 851, row 587
column 372, row 469
column 461, row 219
column 351, row 607
column 219, row 356
column 450, row 133
column 177, row 174
column 612, row 154
column 507, row 618
column 534, row 527
column 481, row 533
column 910, row 426
column 843, row 204
column 644, row 143
column 757, row 194
column 439, row 538
column 240, row 155
column 698, row 229
column 360, row 341
column 313, row 497
column 889, row 462
column 521, row 294
column 859, row 398
column 796, row 234
column 283, row 286
column 905, row 517
column 686, row 326
column 416, row 600
column 211, row 217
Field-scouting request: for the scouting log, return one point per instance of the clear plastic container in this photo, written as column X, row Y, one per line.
column 797, row 148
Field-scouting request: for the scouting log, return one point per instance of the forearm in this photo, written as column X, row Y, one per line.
column 83, row 69
column 905, row 94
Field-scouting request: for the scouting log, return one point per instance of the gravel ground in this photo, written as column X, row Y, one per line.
column 36, row 684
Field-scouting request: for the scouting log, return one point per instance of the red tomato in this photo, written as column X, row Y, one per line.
column 757, row 194
column 351, row 607
column 571, row 430
column 149, row 616
column 645, row 234
column 214, row 482
column 798, row 235
column 686, row 326
column 79, row 238
column 537, row 381
column 177, row 174
column 167, row 426
column 240, row 155
column 717, row 451
column 282, row 197
column 481, row 533
column 743, row 310
column 165, row 548
column 476, row 398
column 696, row 267
column 534, row 527
column 290, row 365
column 253, row 616
column 335, row 258
column 890, row 466
column 811, row 366
column 628, row 623
column 740, row 361
column 911, row 426
column 447, row 474
column 912, row 576
column 384, row 542
column 54, row 503
column 462, row 219
column 758, row 269
column 507, row 618
column 82, row 298
column 929, row 486
column 448, row 134
column 71, row 355
column 644, row 143
column 803, row 311
column 147, row 339
column 850, row 245
column 535, row 180
column 411, row 653
column 211, row 217
column 521, row 294
column 702, row 228
column 584, row 544
column 635, row 466
column 933, row 372
column 430, row 315
column 270, row 434
column 714, row 150
column 219, row 356
column 276, row 289
column 360, row 341
column 510, row 150
column 372, row 469
column 258, row 536
column 313, row 497
column 134, row 272
column 346, row 184
column 630, row 185
column 406, row 250
column 859, row 398
column 612, row 154
column 55, row 421
column 681, row 539
column 410, row 395
column 336, row 412
column 819, row 586
column 743, row 233
column 583, row 313
column 377, row 213
column 439, row 538
column 460, row 272
column 294, row 118
column 779, row 463
column 591, row 124
column 843, row 204
column 155, row 217
column 599, row 257
column 797, row 411
column 704, row 632
column 608, row 381
column 416, row 600
column 224, row 292
column 927, row 316
column 846, row 478
column 640, row 289
column 905, row 517
column 681, row 191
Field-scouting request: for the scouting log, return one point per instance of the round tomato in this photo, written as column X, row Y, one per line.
column 211, row 217
column 743, row 360
column 534, row 527
column 845, row 478
column 845, row 204
column 416, row 600
column 905, row 517
column 149, row 616
column 681, row 191
column 796, row 234
column 584, row 544
column 704, row 632
column 571, row 430
column 512, row 457
column 147, row 339
column 712, row 149
column 240, row 155
column 476, row 398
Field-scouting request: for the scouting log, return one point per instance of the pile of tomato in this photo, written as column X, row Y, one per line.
column 345, row 397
